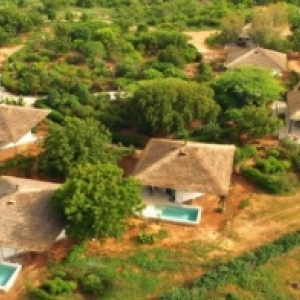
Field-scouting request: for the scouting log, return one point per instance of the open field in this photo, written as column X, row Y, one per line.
column 277, row 279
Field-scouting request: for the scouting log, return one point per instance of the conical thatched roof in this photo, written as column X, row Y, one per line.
column 256, row 57
column 27, row 221
column 186, row 166
column 16, row 121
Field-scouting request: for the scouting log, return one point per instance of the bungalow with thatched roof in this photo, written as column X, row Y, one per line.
column 16, row 124
column 186, row 170
column 238, row 57
column 27, row 222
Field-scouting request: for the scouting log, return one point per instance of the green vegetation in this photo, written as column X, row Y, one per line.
column 136, row 274
column 76, row 142
column 96, row 201
column 247, row 273
column 167, row 106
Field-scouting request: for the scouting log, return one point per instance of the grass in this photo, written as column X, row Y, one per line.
column 269, row 282
column 148, row 272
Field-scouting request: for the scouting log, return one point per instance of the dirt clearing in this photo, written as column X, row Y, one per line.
column 5, row 52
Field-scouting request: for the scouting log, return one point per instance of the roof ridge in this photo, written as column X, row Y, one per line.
column 265, row 52
column 242, row 56
column 164, row 158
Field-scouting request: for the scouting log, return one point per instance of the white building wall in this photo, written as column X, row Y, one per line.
column 6, row 253
column 27, row 138
column 182, row 196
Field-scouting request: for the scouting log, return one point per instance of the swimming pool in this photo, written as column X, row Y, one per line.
column 8, row 274
column 189, row 215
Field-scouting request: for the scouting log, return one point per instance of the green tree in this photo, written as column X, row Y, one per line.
column 246, row 86
column 167, row 105
column 231, row 27
column 96, row 201
column 251, row 122
column 77, row 141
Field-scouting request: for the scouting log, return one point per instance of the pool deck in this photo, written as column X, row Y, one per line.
column 158, row 196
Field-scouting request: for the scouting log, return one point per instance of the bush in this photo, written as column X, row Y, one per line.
column 275, row 184
column 244, row 204
column 273, row 152
column 58, row 286
column 211, row 132
column 146, row 238
column 127, row 140
column 272, row 165
column 93, row 283
column 244, row 153
column 24, row 163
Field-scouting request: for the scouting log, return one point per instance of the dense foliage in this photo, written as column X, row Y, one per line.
column 77, row 141
column 97, row 55
column 96, row 200
column 237, row 88
column 167, row 106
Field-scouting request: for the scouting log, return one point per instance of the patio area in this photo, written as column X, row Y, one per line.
column 157, row 195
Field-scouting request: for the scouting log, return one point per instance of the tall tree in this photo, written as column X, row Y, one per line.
column 251, row 122
column 231, row 27
column 77, row 141
column 164, row 106
column 96, row 201
column 246, row 86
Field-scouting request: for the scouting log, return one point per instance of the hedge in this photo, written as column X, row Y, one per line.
column 235, row 270
column 273, row 183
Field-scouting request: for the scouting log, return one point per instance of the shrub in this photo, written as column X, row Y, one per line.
column 211, row 132
column 244, row 153
column 127, row 140
column 146, row 238
column 276, row 184
column 58, row 286
column 273, row 152
column 244, row 204
column 162, row 234
column 272, row 165
column 93, row 283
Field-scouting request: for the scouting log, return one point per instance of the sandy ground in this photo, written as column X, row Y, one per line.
column 294, row 64
column 198, row 39
column 5, row 52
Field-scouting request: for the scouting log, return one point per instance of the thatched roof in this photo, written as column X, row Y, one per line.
column 256, row 57
column 186, row 166
column 16, row 121
column 293, row 100
column 27, row 221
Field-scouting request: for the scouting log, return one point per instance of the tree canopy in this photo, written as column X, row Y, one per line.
column 96, row 200
column 167, row 105
column 251, row 122
column 246, row 86
column 77, row 141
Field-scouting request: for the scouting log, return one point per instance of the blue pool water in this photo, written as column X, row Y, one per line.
column 5, row 273
column 179, row 213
